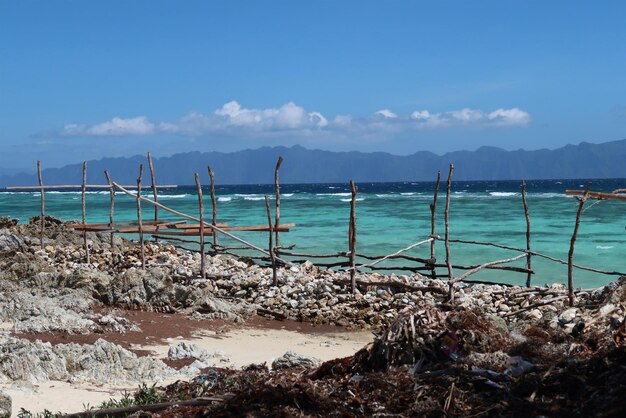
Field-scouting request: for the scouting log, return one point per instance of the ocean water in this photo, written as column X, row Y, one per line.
column 391, row 216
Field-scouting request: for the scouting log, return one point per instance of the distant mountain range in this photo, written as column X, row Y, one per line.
column 586, row 160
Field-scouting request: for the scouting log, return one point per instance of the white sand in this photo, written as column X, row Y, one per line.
column 242, row 346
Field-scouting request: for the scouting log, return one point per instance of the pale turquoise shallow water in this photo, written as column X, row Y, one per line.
column 392, row 216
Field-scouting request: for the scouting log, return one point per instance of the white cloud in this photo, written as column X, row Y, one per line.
column 115, row 127
column 235, row 120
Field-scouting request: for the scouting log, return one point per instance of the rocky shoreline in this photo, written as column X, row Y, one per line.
column 53, row 290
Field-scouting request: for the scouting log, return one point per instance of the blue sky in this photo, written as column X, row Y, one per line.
column 87, row 79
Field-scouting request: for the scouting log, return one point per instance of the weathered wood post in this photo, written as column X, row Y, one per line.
column 84, row 188
column 201, row 209
column 112, row 203
column 139, row 223
column 271, row 245
column 447, row 235
column 214, row 203
column 528, row 255
column 154, row 193
column 352, row 237
column 570, row 256
column 277, row 186
column 42, row 218
column 433, row 211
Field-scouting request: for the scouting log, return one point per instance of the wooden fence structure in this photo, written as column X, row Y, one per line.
column 276, row 255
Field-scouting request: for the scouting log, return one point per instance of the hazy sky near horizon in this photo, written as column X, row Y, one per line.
column 88, row 79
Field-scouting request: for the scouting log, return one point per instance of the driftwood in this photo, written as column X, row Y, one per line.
column 215, row 228
column 597, row 195
column 447, row 233
column 380, row 260
column 85, row 210
column 111, row 205
column 271, row 245
column 42, row 219
column 352, row 236
column 570, row 254
column 201, row 213
column 433, row 212
column 407, row 287
column 213, row 203
column 536, row 305
column 485, row 265
column 140, row 226
column 277, row 187
column 527, row 216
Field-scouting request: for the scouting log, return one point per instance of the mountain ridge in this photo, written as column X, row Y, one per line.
column 303, row 165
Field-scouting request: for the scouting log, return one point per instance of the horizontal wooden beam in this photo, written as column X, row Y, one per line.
column 596, row 195
column 79, row 186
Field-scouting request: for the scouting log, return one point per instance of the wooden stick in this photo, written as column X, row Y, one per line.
column 154, row 189
column 276, row 185
column 85, row 210
column 534, row 253
column 140, row 226
column 528, row 255
column 352, row 236
column 214, row 203
column 433, row 211
column 596, row 195
column 112, row 204
column 271, row 245
column 447, row 236
column 201, row 208
column 215, row 228
column 570, row 255
column 485, row 265
column 42, row 220
column 380, row 260
column 80, row 186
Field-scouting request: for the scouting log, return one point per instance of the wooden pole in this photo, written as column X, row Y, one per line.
column 139, row 224
column 85, row 209
column 154, row 191
column 352, row 237
column 271, row 245
column 201, row 208
column 112, row 204
column 570, row 256
column 42, row 219
column 433, row 211
column 277, row 186
column 447, row 236
column 214, row 204
column 528, row 254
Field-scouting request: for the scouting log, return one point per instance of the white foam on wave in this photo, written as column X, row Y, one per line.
column 604, row 247
column 246, row 195
column 172, row 196
column 358, row 199
column 253, row 198
column 287, row 195
column 503, row 194
column 225, row 199
column 408, row 194
column 333, row 194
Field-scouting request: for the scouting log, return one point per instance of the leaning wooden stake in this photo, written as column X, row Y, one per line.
column 154, row 192
column 447, row 236
column 85, row 209
column 42, row 219
column 139, row 224
column 352, row 237
column 112, row 203
column 201, row 208
column 276, row 185
column 433, row 211
column 570, row 256
column 214, row 203
column 271, row 245
column 528, row 254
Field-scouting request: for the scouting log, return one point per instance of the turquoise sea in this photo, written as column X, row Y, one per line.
column 392, row 216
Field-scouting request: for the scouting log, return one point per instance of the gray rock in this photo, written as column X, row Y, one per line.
column 568, row 315
column 5, row 405
column 184, row 349
column 291, row 359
